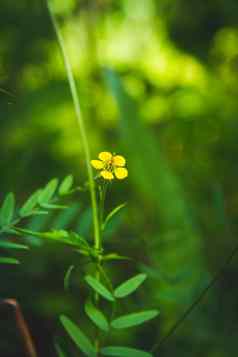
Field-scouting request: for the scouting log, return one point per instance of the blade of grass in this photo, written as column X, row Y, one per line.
column 80, row 121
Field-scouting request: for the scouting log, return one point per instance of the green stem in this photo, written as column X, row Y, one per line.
column 73, row 89
column 97, row 337
column 114, row 303
column 109, row 283
column 106, row 278
column 102, row 194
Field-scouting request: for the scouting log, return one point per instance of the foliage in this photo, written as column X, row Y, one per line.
column 42, row 202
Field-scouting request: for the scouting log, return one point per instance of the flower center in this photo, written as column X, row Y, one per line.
column 109, row 165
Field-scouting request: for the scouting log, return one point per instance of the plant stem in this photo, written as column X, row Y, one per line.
column 157, row 346
column 109, row 283
column 80, row 121
column 102, row 195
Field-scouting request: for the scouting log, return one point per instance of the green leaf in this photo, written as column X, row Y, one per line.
column 96, row 316
column 53, row 206
column 66, row 185
column 30, row 204
column 7, row 260
column 67, row 277
column 39, row 213
column 60, row 235
column 78, row 336
column 75, row 237
column 11, row 245
column 129, row 286
column 47, row 193
column 9, row 230
column 124, row 352
column 99, row 288
column 83, row 252
column 115, row 256
column 134, row 319
column 112, row 213
column 7, row 210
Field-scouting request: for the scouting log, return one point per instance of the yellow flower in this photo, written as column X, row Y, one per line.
column 110, row 165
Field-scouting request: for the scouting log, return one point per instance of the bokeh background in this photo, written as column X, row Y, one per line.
column 158, row 83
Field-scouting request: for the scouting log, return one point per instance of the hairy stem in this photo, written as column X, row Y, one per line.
column 80, row 121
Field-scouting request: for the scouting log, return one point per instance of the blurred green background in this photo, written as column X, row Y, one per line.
column 158, row 83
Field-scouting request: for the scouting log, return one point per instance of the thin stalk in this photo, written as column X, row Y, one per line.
column 114, row 304
column 80, row 121
column 102, row 193
column 157, row 346
column 96, row 296
column 106, row 278
column 109, row 283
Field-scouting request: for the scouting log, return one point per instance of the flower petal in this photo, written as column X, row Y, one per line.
column 119, row 160
column 105, row 156
column 97, row 164
column 107, row 175
column 121, row 173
